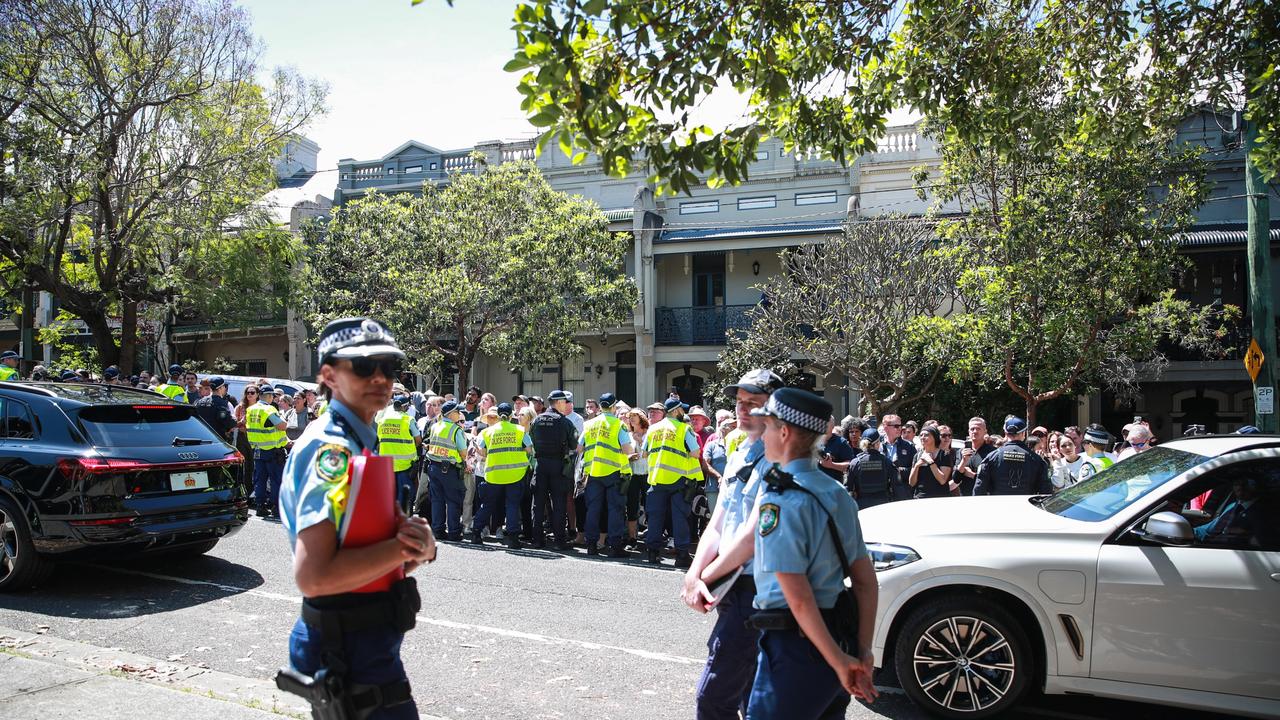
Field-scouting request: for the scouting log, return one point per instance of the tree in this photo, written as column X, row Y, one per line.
column 136, row 134
column 864, row 305
column 622, row 79
column 496, row 263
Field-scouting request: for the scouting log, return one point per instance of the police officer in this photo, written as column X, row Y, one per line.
column 111, row 375
column 506, row 450
column 174, row 389
column 1013, row 468
column 672, row 452
column 399, row 438
column 446, row 449
column 9, row 366
column 352, row 636
column 214, row 408
column 605, row 447
column 815, row 645
column 901, row 454
column 870, row 472
column 555, row 442
column 266, row 432
column 1096, row 440
column 729, row 541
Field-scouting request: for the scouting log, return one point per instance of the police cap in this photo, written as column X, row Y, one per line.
column 761, row 381
column 1247, row 430
column 265, row 389
column 672, row 404
column 216, row 382
column 356, row 337
column 871, row 435
column 111, row 372
column 505, row 409
column 69, row 375
column 400, row 401
column 1015, row 425
column 798, row 407
column 8, row 354
column 608, row 400
column 448, row 407
column 559, row 395
column 175, row 369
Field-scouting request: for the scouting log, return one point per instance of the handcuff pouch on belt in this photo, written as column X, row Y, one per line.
column 331, row 694
column 842, row 619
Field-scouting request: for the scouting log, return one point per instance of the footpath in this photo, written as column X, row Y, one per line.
column 48, row 678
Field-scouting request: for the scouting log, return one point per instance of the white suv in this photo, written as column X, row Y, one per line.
column 1157, row 580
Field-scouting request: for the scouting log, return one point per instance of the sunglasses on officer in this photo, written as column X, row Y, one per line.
column 388, row 365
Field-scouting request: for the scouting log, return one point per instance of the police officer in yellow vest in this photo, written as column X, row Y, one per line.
column 265, row 429
column 672, row 452
column 446, row 449
column 175, row 390
column 1096, row 458
column 400, row 438
column 505, row 449
column 9, row 366
column 605, row 447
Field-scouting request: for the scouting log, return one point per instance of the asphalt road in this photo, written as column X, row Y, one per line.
column 502, row 634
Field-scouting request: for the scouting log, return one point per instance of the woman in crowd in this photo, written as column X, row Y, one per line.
column 637, row 424
column 931, row 473
column 1066, row 467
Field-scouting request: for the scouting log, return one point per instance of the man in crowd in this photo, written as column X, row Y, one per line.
column 471, row 405
column 1014, row 468
column 191, row 386
column 975, row 451
column 1139, row 439
column 593, row 408
column 656, row 413
column 901, row 454
column 836, row 454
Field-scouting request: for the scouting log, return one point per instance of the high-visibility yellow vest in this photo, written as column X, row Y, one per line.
column 173, row 392
column 8, row 373
column 441, row 447
column 669, row 460
column 395, row 440
column 1100, row 463
column 505, row 460
column 733, row 440
column 261, row 435
column 602, row 452
column 322, row 407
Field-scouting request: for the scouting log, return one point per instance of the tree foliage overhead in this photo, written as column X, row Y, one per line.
column 620, row 78
column 864, row 305
column 136, row 137
column 497, row 262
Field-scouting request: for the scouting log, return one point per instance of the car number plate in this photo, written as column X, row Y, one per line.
column 189, row 480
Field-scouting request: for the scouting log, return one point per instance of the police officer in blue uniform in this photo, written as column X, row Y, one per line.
column 1013, row 468
column 728, row 543
column 344, row 651
column 444, row 470
column 869, row 473
column 555, row 442
column 815, row 644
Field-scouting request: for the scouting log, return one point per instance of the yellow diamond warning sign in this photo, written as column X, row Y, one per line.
column 1253, row 360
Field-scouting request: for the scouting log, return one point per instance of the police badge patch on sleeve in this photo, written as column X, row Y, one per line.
column 332, row 462
column 770, row 514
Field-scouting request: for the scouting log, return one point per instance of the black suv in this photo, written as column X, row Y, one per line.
column 88, row 466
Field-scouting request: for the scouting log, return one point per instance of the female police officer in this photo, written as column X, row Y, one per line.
column 349, row 642
column 806, row 523
column 868, row 474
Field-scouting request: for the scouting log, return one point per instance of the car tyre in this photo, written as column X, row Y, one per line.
column 21, row 567
column 194, row 549
column 963, row 657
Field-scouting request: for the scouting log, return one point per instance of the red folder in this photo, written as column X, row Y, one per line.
column 371, row 511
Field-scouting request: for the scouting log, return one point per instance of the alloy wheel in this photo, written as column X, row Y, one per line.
column 964, row 664
column 8, row 545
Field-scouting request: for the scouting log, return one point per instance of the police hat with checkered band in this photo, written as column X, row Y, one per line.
column 798, row 407
column 356, row 337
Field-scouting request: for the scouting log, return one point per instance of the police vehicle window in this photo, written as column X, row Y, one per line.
column 19, row 424
column 143, row 425
column 1119, row 486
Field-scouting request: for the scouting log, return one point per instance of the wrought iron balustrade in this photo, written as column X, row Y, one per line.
column 700, row 325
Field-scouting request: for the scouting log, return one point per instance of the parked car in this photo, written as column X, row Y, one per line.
column 1156, row 580
column 237, row 383
column 88, row 467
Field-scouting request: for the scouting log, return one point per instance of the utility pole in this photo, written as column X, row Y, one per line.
column 1258, row 207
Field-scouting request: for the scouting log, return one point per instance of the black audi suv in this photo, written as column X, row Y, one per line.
column 91, row 468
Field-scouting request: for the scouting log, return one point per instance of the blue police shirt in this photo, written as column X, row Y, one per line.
column 792, row 536
column 317, row 474
column 738, row 497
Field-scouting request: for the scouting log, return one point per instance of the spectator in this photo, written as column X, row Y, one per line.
column 525, row 418
column 975, row 451
column 1139, row 441
column 593, row 408
column 701, row 424
column 470, row 411
column 656, row 413
column 1036, row 442
column 203, row 390
column 909, row 431
column 488, row 401
column 836, row 454
column 638, row 426
column 1073, row 432
column 39, row 373
column 539, row 405
column 931, row 473
column 190, row 383
column 1066, row 466
column 519, row 403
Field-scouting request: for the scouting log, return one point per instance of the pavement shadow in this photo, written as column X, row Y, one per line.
column 632, row 560
column 133, row 587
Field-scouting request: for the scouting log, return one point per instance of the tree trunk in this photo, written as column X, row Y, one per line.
column 1031, row 413
column 103, row 339
column 464, row 374
column 128, row 336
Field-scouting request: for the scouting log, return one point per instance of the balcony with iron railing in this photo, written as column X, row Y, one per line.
column 711, row 325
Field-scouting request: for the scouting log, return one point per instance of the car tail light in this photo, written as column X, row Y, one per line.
column 103, row 521
column 75, row 467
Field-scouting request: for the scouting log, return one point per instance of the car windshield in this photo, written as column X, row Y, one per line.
column 1119, row 486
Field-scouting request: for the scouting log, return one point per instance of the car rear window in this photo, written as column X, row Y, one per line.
column 143, row 425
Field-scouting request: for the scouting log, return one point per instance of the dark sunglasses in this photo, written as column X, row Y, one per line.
column 250, row 392
column 893, row 424
column 366, row 366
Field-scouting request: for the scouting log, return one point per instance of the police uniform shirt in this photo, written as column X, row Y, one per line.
column 738, row 497
column 1013, row 469
column 220, row 417
column 792, row 536
column 317, row 475
column 870, row 473
column 556, row 436
column 1087, row 470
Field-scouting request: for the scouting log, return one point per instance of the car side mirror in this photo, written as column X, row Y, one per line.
column 1166, row 528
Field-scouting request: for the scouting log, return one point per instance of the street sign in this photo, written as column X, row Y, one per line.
column 1266, row 401
column 1253, row 360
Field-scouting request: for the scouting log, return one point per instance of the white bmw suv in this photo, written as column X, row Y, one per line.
column 1157, row 580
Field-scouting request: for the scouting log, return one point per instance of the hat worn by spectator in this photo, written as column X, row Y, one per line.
column 216, row 382
column 673, row 404
column 1096, row 435
column 798, row 407
column 356, row 337
column 537, row 399
column 504, row 409
column 559, row 395
column 515, row 398
column 697, row 411
column 871, row 435
column 608, row 400
column 1040, row 430
column 656, row 406
column 1015, row 425
column 761, row 381
column 490, row 413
